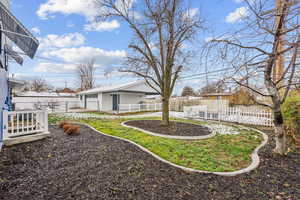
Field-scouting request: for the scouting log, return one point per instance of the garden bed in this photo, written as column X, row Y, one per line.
column 94, row 166
column 175, row 128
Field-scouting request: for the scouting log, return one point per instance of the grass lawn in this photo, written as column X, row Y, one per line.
column 121, row 114
column 222, row 153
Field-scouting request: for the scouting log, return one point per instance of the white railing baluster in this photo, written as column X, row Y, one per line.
column 12, row 127
column 27, row 122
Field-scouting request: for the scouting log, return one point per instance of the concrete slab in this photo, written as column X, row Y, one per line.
column 25, row 139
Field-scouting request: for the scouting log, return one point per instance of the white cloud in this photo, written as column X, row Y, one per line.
column 61, row 41
column 36, row 30
column 76, row 55
column 90, row 9
column 237, row 15
column 102, row 26
column 87, row 8
column 190, row 13
column 48, row 67
column 193, row 12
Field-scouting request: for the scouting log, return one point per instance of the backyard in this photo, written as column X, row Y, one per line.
column 96, row 166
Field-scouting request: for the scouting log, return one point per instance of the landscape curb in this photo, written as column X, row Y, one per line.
column 252, row 166
column 212, row 134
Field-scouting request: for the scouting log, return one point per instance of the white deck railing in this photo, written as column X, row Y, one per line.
column 231, row 114
column 139, row 107
column 18, row 123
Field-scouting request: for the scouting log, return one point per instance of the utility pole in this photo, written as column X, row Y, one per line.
column 279, row 64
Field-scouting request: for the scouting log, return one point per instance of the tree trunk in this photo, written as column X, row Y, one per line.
column 280, row 136
column 165, row 111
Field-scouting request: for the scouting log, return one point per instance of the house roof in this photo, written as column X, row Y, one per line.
column 127, row 87
column 65, row 90
column 44, row 94
column 216, row 94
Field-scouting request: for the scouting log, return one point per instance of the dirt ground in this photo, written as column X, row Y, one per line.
column 175, row 128
column 94, row 166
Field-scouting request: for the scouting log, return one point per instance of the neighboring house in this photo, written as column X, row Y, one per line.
column 65, row 90
column 216, row 96
column 11, row 32
column 109, row 98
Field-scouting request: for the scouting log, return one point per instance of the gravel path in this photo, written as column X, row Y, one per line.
column 94, row 166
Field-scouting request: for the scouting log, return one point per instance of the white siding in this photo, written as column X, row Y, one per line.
column 131, row 98
column 106, row 102
column 3, row 95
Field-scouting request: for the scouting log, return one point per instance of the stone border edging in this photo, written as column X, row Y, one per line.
column 212, row 134
column 254, row 156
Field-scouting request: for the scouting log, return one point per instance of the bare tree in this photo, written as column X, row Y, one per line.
column 39, row 85
column 160, row 28
column 188, row 91
column 86, row 75
column 265, row 55
column 214, row 87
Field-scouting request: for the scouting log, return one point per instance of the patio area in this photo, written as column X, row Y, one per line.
column 95, row 166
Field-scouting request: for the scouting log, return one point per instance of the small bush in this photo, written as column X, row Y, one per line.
column 62, row 124
column 291, row 115
column 71, row 129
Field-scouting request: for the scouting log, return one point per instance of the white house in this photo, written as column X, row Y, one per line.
column 109, row 98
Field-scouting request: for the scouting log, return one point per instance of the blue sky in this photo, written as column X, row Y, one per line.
column 68, row 36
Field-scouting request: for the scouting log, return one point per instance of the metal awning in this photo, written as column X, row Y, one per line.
column 17, row 33
column 11, row 53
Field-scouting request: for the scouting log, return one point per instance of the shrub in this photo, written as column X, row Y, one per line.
column 291, row 114
column 63, row 123
column 71, row 129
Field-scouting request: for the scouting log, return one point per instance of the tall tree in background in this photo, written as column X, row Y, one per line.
column 160, row 28
column 38, row 85
column 215, row 87
column 187, row 91
column 86, row 75
column 265, row 55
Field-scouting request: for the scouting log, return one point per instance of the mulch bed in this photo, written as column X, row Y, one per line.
column 94, row 166
column 174, row 129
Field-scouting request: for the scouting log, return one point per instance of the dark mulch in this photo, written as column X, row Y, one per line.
column 175, row 128
column 93, row 166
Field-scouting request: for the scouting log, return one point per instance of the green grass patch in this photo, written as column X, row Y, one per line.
column 121, row 114
column 222, row 153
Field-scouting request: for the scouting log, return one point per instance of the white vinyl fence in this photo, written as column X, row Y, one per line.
column 18, row 123
column 139, row 107
column 231, row 114
column 50, row 106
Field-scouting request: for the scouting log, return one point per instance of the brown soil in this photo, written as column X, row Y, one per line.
column 174, row 129
column 94, row 166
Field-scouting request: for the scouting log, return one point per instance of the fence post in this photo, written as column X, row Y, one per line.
column 45, row 125
column 67, row 106
column 5, row 124
column 129, row 107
